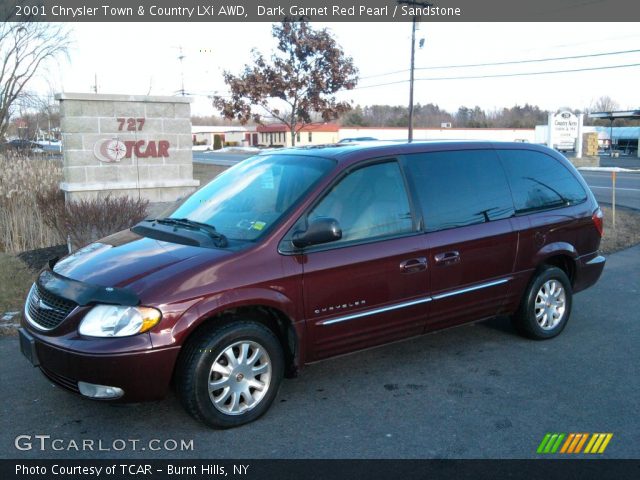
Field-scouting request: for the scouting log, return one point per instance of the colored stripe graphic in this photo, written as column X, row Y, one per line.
column 597, row 443
column 605, row 443
column 574, row 444
column 581, row 443
column 543, row 443
column 555, row 447
column 570, row 438
column 550, row 443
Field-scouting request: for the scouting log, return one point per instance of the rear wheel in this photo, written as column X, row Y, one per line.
column 546, row 305
column 229, row 375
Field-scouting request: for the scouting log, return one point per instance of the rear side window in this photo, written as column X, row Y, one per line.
column 460, row 188
column 540, row 182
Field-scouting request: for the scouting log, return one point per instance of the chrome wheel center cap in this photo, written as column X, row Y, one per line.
column 239, row 377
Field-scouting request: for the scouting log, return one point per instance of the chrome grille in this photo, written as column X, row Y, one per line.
column 46, row 310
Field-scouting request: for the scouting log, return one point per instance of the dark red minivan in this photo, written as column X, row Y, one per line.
column 297, row 255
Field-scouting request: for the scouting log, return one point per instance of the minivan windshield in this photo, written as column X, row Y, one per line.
column 247, row 199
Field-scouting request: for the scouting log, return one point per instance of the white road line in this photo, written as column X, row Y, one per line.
column 618, row 188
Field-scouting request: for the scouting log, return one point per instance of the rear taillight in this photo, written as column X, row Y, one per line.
column 597, row 218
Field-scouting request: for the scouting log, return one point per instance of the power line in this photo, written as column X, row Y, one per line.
column 510, row 62
column 498, row 75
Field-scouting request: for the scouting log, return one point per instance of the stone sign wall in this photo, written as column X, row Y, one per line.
column 126, row 145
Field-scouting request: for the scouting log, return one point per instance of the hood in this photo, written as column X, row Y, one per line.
column 125, row 257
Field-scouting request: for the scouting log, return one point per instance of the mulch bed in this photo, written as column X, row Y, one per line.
column 38, row 258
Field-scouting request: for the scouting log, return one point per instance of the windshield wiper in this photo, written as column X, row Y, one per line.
column 219, row 239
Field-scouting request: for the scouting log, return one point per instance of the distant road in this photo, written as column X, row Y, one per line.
column 627, row 187
column 219, row 158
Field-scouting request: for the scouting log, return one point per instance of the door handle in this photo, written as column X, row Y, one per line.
column 413, row 265
column 447, row 258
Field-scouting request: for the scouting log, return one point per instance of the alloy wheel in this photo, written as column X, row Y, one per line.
column 240, row 377
column 550, row 304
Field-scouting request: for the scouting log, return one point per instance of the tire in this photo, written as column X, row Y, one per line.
column 230, row 355
column 546, row 305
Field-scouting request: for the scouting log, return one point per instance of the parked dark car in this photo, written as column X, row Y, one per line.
column 23, row 145
column 19, row 144
column 295, row 256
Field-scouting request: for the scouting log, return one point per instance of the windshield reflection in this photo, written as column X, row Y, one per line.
column 247, row 199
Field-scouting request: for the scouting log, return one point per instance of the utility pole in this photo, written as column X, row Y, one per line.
column 413, row 58
column 181, row 57
column 412, row 3
column 413, row 61
column 95, row 82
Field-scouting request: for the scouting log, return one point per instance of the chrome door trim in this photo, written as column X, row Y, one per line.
column 472, row 288
column 417, row 301
column 375, row 311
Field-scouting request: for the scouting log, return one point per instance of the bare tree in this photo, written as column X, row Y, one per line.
column 39, row 112
column 24, row 49
column 298, row 86
column 605, row 104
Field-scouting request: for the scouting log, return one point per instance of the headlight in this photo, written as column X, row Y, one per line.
column 118, row 321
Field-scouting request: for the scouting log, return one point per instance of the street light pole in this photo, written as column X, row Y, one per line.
column 412, row 3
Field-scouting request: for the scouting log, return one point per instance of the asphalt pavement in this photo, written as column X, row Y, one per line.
column 477, row 391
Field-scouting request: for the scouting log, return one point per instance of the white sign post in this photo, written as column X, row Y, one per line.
column 563, row 128
column 550, row 130
column 579, row 135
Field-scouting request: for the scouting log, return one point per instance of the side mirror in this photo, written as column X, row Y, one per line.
column 321, row 230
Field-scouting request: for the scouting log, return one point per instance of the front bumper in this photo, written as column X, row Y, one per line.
column 143, row 375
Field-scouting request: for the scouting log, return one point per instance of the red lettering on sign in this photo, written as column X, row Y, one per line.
column 133, row 124
column 151, row 150
column 129, row 144
column 144, row 149
column 139, row 153
column 163, row 148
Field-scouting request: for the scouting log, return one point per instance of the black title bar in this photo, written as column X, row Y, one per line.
column 318, row 10
column 117, row 469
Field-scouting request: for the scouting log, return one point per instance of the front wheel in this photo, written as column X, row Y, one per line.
column 546, row 305
column 229, row 375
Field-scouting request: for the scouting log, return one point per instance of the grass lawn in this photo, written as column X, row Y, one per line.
column 626, row 233
column 15, row 281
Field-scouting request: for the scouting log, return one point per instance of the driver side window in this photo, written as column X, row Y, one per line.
column 368, row 203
